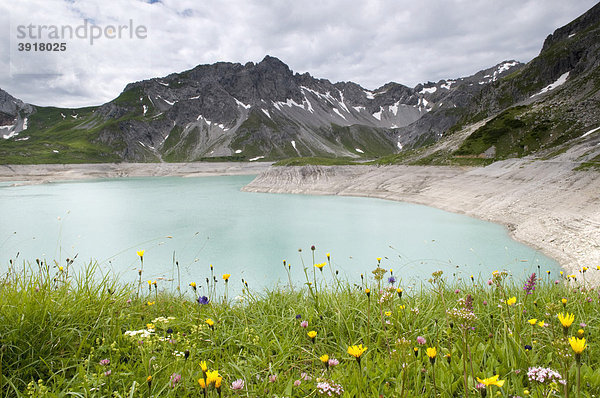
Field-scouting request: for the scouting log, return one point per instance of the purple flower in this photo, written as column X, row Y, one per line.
column 333, row 362
column 237, row 385
column 298, row 316
column 530, row 284
column 175, row 377
column 421, row 340
column 203, row 300
column 392, row 280
column 105, row 362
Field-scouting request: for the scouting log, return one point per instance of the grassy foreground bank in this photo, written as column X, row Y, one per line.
column 67, row 334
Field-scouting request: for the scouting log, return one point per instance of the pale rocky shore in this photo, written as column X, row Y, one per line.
column 546, row 205
column 33, row 174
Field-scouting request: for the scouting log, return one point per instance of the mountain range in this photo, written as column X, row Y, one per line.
column 230, row 111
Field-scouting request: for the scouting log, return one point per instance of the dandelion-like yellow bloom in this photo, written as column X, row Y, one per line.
column 491, row 381
column 580, row 333
column 566, row 319
column 511, row 301
column 141, row 253
column 378, row 259
column 388, row 313
column 61, row 269
column 356, row 350
column 542, row 324
column 218, row 381
column 401, row 307
column 148, row 379
column 367, row 291
column 226, row 277
column 584, row 269
column 320, row 265
column 564, row 301
column 151, row 302
column 312, row 334
column 203, row 366
column 431, row 352
column 193, row 285
column 328, row 256
column 211, row 377
column 149, row 283
column 210, row 322
column 533, row 321
column 324, row 358
column 578, row 345
column 202, row 383
column 150, row 326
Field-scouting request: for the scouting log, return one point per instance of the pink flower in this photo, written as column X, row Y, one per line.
column 107, row 373
column 237, row 385
column 105, row 362
column 272, row 378
column 421, row 340
column 304, row 324
column 333, row 362
column 175, row 377
column 297, row 383
column 305, row 376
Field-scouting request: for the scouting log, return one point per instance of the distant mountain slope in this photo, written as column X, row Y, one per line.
column 230, row 111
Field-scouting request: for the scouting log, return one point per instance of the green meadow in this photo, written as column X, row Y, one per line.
column 83, row 333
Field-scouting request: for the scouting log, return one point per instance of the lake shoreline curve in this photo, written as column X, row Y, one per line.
column 543, row 204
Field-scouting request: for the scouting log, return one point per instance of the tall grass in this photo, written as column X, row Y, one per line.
column 84, row 334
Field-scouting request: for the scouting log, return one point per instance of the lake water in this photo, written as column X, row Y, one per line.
column 208, row 220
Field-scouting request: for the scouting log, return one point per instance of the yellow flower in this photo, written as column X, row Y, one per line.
column 578, row 345
column 148, row 379
column 218, row 381
column 328, row 256
column 226, row 277
column 378, row 259
column 564, row 301
column 388, row 313
column 211, row 377
column 401, row 307
column 580, row 333
column 431, row 352
column 141, row 253
column 324, row 358
column 149, row 283
column 491, row 381
column 193, row 285
column 150, row 326
column 368, row 292
column 320, row 265
column 210, row 322
column 312, row 334
column 203, row 366
column 60, row 269
column 151, row 302
column 584, row 269
column 511, row 301
column 532, row 322
column 202, row 383
column 356, row 350
column 566, row 319
column 542, row 324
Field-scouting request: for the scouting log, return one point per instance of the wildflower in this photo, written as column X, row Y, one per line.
column 150, row 326
column 313, row 248
column 431, row 353
column 511, row 301
column 193, row 285
column 211, row 377
column 578, row 345
column 542, row 324
column 392, row 280
column 105, row 362
column 312, row 334
column 421, row 340
column 298, row 316
column 564, row 301
column 448, row 357
column 544, row 375
column 202, row 383
column 324, row 358
column 203, row 366
column 532, row 322
column 368, row 292
column 226, row 277
column 472, row 278
column 151, row 303
column 580, row 333
column 108, row 373
column 218, row 381
column 149, row 378
column 272, row 378
column 141, row 253
column 566, row 320
column 388, row 313
column 210, row 323
column 399, row 291
column 333, row 362
column 175, row 378
column 356, row 351
column 530, row 284
column 61, row 269
column 491, row 381
column 304, row 324
column 328, row 256
column 237, row 384
column 203, row 300
column 320, row 265
column 378, row 259
column 416, row 351
column 329, row 388
column 584, row 269
column 528, row 347
column 297, row 383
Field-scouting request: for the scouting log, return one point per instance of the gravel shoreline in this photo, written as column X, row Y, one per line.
column 544, row 204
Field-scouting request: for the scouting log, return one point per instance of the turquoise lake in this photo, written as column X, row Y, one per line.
column 208, row 220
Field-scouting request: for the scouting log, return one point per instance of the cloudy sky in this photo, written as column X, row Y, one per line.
column 370, row 42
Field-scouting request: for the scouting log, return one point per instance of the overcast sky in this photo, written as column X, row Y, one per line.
column 370, row 42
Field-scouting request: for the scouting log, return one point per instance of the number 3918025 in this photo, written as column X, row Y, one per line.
column 35, row 46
